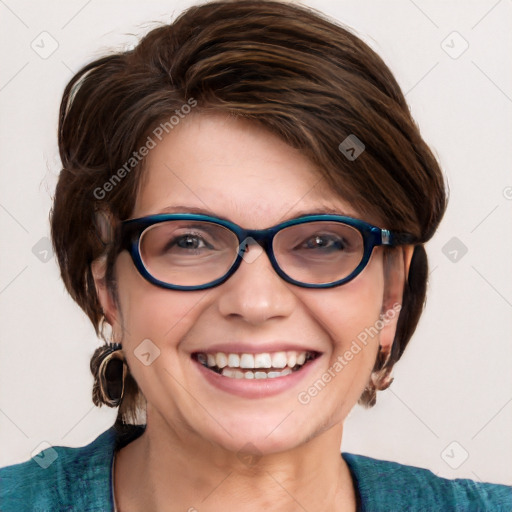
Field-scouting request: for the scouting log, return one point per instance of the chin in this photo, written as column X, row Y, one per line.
column 260, row 433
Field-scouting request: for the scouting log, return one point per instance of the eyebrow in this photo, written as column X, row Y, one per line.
column 322, row 210
column 191, row 209
column 301, row 213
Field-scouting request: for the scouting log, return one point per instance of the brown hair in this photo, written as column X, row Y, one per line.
column 303, row 77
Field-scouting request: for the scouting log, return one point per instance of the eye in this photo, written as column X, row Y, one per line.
column 189, row 241
column 324, row 242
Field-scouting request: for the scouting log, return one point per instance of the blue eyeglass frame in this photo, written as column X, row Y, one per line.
column 373, row 236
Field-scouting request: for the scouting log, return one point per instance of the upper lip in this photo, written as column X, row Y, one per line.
column 254, row 348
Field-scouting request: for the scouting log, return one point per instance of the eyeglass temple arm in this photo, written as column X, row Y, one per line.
column 393, row 239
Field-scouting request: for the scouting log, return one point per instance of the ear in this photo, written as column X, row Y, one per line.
column 396, row 271
column 108, row 304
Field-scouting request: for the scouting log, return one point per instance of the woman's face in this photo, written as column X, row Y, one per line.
column 236, row 170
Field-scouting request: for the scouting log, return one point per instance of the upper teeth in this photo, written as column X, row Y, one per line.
column 263, row 360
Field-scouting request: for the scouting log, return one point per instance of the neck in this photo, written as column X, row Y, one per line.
column 169, row 470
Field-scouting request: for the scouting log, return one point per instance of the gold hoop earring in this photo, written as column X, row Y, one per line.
column 112, row 375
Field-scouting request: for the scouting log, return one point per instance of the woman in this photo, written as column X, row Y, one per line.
column 244, row 200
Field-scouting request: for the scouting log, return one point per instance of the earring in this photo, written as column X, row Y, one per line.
column 111, row 375
column 380, row 379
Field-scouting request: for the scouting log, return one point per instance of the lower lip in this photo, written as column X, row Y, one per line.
column 257, row 388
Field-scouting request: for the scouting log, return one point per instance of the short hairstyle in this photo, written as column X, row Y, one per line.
column 303, row 77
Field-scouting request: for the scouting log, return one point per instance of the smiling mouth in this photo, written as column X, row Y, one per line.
column 255, row 366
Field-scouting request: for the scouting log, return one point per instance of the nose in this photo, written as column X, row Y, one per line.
column 255, row 293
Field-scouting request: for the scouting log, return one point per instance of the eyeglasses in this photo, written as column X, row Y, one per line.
column 196, row 252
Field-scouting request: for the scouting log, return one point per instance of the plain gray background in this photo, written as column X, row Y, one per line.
column 450, row 407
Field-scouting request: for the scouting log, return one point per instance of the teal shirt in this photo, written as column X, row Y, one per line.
column 80, row 479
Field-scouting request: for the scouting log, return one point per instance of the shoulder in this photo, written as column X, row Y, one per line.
column 61, row 478
column 385, row 485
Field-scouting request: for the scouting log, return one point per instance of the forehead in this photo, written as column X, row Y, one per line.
column 235, row 169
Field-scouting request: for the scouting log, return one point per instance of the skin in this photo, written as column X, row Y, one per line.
column 187, row 456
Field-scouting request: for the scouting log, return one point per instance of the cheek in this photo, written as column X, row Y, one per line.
column 351, row 310
column 349, row 315
column 152, row 313
column 148, row 309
